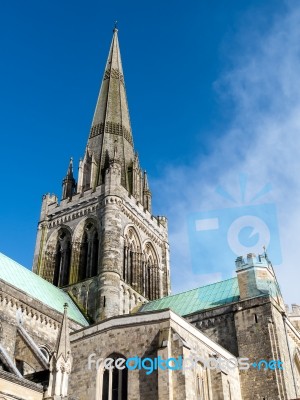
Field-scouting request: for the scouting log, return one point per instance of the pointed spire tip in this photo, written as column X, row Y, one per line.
column 115, row 27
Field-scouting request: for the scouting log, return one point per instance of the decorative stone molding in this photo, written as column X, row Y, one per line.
column 111, row 128
column 72, row 216
column 141, row 225
column 129, row 298
column 115, row 74
column 8, row 301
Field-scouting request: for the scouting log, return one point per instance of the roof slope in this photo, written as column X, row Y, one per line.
column 198, row 299
column 35, row 286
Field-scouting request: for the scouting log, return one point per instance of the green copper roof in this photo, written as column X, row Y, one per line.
column 35, row 286
column 199, row 299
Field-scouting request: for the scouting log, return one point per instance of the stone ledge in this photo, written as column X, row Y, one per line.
column 20, row 381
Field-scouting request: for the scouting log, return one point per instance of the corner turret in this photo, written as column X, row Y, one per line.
column 256, row 277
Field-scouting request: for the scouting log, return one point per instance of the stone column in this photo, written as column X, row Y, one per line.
column 111, row 268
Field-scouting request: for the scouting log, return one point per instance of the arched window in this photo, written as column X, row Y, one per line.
column 150, row 273
column 46, row 352
column 62, row 258
column 113, row 382
column 132, row 259
column 89, row 252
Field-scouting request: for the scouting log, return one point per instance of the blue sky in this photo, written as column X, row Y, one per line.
column 212, row 94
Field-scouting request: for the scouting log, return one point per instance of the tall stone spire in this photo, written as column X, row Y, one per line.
column 110, row 135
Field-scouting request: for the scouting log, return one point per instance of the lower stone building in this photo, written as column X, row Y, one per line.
column 148, row 338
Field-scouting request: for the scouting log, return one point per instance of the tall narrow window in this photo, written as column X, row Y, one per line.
column 89, row 251
column 114, row 381
column 95, row 251
column 132, row 260
column 83, row 257
column 62, row 259
column 149, row 279
column 151, row 275
column 105, row 385
column 125, row 263
column 116, row 388
column 57, row 264
column 65, row 270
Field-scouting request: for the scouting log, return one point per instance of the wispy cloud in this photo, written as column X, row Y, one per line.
column 262, row 140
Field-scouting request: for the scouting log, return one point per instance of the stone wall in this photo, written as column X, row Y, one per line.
column 219, row 325
column 252, row 321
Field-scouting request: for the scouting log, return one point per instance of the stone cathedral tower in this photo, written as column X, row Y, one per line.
column 100, row 242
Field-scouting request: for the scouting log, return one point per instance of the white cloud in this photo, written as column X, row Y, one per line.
column 263, row 140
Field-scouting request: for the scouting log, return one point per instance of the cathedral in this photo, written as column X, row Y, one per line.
column 95, row 320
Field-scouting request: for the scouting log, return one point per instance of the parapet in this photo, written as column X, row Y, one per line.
column 252, row 260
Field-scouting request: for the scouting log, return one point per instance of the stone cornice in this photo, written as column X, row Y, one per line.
column 135, row 212
column 77, row 211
